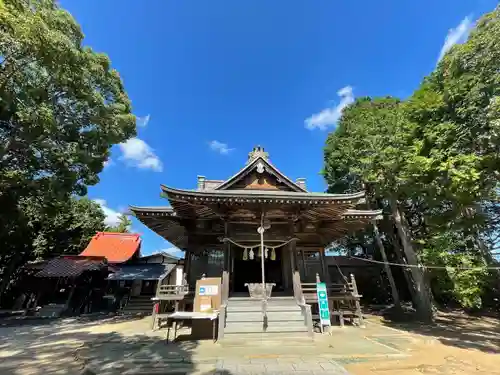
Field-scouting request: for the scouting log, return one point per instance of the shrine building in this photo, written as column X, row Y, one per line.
column 216, row 225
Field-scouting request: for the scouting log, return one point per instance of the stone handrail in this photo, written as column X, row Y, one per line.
column 223, row 305
column 225, row 287
column 297, row 288
column 306, row 308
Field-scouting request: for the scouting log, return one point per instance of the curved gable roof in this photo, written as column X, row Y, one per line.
column 260, row 162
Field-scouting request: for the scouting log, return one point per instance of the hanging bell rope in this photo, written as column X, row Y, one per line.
column 283, row 243
column 248, row 252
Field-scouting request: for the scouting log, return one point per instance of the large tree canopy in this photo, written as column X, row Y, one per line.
column 433, row 163
column 62, row 107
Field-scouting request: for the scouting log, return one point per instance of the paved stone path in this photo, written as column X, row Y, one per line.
column 281, row 366
column 109, row 347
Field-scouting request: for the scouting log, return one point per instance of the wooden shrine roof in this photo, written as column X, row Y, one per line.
column 246, row 195
column 258, row 186
column 258, row 161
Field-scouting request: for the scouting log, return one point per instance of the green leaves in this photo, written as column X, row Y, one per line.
column 66, row 104
column 438, row 154
column 62, row 107
column 124, row 225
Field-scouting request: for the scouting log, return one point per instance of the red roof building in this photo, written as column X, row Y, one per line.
column 115, row 247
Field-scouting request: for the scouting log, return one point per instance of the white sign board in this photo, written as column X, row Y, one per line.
column 209, row 290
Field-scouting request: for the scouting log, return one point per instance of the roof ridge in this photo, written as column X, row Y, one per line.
column 118, row 234
column 250, row 165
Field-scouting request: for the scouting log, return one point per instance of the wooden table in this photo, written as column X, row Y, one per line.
column 178, row 316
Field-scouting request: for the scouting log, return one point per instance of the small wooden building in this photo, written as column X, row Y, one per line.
column 110, row 269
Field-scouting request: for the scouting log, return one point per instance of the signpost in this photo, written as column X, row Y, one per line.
column 324, row 311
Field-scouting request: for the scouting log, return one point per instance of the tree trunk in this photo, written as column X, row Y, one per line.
column 402, row 260
column 394, row 290
column 7, row 275
column 423, row 298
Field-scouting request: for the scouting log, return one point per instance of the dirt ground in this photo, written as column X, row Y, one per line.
column 456, row 344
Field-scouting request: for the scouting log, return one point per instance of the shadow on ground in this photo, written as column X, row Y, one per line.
column 83, row 346
column 452, row 328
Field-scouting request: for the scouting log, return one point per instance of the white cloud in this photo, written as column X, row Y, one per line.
column 329, row 116
column 457, row 35
column 221, row 148
column 143, row 121
column 139, row 154
column 112, row 216
column 108, row 163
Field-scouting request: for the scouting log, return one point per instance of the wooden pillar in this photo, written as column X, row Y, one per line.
column 285, row 267
column 226, row 273
column 295, row 258
column 324, row 267
column 357, row 304
column 72, row 291
column 227, row 254
column 304, row 268
column 187, row 265
column 293, row 249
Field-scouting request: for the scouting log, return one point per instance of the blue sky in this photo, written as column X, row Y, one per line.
column 212, row 79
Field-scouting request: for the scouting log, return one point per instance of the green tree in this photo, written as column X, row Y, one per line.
column 457, row 138
column 433, row 163
column 44, row 231
column 124, row 225
column 62, row 107
column 369, row 149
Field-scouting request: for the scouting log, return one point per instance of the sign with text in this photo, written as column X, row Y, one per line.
column 207, row 294
column 209, row 290
column 324, row 311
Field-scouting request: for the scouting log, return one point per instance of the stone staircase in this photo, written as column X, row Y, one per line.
column 139, row 305
column 245, row 325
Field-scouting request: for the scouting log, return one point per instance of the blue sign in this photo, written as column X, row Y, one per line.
column 202, row 290
column 324, row 311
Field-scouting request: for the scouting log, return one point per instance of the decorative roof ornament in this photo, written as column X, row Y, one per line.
column 260, row 168
column 257, row 152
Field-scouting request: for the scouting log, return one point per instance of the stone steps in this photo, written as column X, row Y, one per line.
column 256, row 306
column 139, row 305
column 272, row 316
column 245, row 323
column 258, row 328
column 266, row 339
